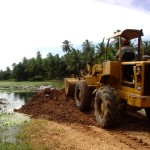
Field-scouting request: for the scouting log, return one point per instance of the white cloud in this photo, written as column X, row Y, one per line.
column 136, row 4
column 29, row 25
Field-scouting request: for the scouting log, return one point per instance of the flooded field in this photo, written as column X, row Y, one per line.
column 13, row 95
column 11, row 122
column 11, row 101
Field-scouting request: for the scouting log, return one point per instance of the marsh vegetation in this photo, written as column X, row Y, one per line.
column 12, row 96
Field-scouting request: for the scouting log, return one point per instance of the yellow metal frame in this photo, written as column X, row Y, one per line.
column 92, row 80
column 133, row 96
column 111, row 68
column 134, row 99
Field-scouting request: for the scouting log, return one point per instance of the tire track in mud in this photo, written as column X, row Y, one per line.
column 127, row 132
column 130, row 140
column 132, row 124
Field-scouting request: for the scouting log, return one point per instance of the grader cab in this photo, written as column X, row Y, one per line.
column 114, row 81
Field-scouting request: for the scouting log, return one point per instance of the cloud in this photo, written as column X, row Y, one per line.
column 136, row 4
column 30, row 25
column 144, row 4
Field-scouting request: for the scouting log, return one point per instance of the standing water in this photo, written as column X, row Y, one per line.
column 11, row 101
column 11, row 122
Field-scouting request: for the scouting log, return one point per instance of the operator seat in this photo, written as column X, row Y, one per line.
column 128, row 56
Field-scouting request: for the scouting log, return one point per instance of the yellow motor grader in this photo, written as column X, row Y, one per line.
column 126, row 79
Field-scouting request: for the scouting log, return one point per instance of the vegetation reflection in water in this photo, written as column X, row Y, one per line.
column 11, row 101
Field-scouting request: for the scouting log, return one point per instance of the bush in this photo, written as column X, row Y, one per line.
column 37, row 78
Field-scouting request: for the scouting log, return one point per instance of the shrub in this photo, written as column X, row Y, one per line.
column 37, row 78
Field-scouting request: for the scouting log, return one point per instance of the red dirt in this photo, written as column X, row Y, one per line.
column 133, row 130
column 53, row 105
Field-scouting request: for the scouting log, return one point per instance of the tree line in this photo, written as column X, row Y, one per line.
column 56, row 67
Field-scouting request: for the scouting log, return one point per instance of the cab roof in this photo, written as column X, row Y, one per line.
column 127, row 34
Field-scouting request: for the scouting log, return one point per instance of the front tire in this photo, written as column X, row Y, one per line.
column 82, row 96
column 105, row 107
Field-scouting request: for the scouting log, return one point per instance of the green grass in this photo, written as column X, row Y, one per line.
column 14, row 146
column 11, row 126
column 55, row 83
column 28, row 86
column 41, row 134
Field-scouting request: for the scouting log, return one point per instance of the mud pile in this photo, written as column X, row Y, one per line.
column 52, row 104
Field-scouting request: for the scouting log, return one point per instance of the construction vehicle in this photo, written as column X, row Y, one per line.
column 113, row 81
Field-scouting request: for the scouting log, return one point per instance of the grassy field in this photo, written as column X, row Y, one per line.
column 28, row 86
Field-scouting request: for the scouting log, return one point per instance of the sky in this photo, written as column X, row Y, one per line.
column 28, row 26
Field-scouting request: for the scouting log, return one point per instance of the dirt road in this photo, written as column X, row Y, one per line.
column 81, row 129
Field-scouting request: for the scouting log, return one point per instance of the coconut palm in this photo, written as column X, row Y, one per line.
column 73, row 61
column 100, row 51
column 88, row 50
column 87, row 46
column 147, row 47
column 115, row 42
column 67, row 46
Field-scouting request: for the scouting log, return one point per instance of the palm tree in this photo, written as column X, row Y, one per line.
column 88, row 50
column 87, row 46
column 100, row 51
column 73, row 61
column 115, row 42
column 67, row 46
column 147, row 47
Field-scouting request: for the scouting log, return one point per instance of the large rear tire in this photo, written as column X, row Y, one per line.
column 147, row 111
column 105, row 107
column 82, row 96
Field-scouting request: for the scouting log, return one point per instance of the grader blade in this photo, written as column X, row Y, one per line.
column 70, row 84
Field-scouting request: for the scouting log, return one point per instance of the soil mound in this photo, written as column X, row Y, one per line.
column 52, row 104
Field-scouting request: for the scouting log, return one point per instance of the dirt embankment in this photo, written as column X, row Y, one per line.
column 132, row 132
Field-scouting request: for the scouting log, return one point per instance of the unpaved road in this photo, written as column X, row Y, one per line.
column 81, row 130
